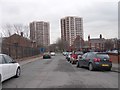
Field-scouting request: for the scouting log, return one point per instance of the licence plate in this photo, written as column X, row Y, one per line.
column 105, row 65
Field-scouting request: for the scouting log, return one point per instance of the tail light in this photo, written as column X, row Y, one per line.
column 110, row 60
column 96, row 59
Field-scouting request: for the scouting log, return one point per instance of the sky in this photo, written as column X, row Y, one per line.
column 99, row 16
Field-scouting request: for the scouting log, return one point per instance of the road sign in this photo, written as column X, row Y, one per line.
column 42, row 49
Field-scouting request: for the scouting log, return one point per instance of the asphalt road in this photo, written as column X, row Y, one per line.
column 58, row 73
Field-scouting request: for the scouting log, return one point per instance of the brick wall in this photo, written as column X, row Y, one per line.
column 114, row 58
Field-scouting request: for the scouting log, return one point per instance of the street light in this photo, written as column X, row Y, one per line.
column 118, row 44
column 16, row 45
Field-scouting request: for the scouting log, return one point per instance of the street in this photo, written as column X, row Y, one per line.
column 58, row 73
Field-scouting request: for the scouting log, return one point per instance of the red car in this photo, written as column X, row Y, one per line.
column 73, row 58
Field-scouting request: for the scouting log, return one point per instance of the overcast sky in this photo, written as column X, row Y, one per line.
column 99, row 16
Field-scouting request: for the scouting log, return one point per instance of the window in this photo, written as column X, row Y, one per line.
column 2, row 60
column 84, row 56
column 90, row 55
column 102, row 56
column 8, row 59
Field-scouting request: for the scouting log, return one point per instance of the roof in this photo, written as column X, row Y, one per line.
column 19, row 36
column 97, row 39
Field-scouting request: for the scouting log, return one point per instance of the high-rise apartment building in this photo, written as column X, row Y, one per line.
column 39, row 32
column 71, row 27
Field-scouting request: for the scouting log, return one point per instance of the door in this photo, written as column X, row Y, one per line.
column 82, row 60
column 87, row 59
column 12, row 66
column 5, row 69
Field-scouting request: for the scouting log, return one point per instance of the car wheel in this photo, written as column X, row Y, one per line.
column 109, row 69
column 18, row 72
column 77, row 64
column 72, row 62
column 0, row 78
column 91, row 67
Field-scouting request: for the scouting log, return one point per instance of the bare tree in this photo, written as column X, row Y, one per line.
column 6, row 30
column 9, row 29
column 18, row 28
column 62, row 45
column 26, row 31
column 109, row 45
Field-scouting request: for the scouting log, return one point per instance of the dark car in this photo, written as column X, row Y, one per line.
column 95, row 60
column 46, row 56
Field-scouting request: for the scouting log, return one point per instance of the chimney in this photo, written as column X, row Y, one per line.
column 22, row 34
column 100, row 36
column 88, row 37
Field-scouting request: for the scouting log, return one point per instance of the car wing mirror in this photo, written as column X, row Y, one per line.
column 13, row 62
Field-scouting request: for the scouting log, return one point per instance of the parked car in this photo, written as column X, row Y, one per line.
column 52, row 53
column 75, row 56
column 79, row 54
column 114, row 51
column 46, row 56
column 68, row 56
column 65, row 53
column 8, row 67
column 95, row 60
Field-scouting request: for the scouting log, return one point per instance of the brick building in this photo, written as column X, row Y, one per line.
column 78, row 43
column 18, row 46
column 96, row 43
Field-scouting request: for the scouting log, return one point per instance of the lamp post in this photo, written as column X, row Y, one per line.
column 16, row 45
column 118, row 44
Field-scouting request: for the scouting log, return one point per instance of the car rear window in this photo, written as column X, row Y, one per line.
column 102, row 56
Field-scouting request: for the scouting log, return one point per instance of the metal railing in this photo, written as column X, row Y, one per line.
column 16, row 51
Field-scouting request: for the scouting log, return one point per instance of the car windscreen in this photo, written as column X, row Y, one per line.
column 102, row 56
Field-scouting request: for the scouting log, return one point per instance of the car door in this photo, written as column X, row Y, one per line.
column 87, row 59
column 0, row 67
column 5, row 69
column 82, row 60
column 12, row 66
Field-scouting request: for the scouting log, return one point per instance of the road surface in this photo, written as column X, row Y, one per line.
column 58, row 73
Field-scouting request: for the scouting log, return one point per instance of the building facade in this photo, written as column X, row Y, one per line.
column 18, row 46
column 96, row 44
column 39, row 33
column 71, row 27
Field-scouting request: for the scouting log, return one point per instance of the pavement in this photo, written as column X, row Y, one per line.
column 115, row 67
column 29, row 60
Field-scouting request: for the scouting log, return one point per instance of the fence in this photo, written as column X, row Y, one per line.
column 17, row 51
